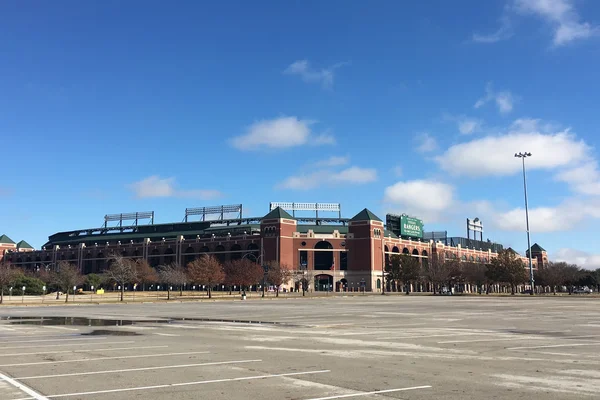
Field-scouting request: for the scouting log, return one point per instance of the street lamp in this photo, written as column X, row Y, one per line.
column 523, row 156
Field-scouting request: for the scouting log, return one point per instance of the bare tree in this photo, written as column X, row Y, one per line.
column 252, row 273
column 206, row 270
column 303, row 278
column 7, row 276
column 65, row 277
column 278, row 275
column 145, row 273
column 233, row 274
column 122, row 271
column 173, row 274
column 436, row 270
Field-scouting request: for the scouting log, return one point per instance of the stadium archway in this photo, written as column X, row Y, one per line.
column 188, row 257
column 323, row 283
column 254, row 252
column 154, row 258
column 100, row 262
column 323, row 256
column 236, row 252
column 169, row 256
column 88, row 264
column 220, row 253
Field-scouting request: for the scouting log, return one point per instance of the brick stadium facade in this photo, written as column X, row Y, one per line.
column 346, row 256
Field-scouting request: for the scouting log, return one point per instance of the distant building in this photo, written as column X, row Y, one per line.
column 338, row 253
column 8, row 245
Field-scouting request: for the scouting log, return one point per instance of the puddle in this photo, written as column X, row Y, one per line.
column 80, row 321
column 106, row 332
column 74, row 321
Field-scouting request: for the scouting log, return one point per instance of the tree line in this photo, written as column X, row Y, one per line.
column 206, row 271
column 506, row 269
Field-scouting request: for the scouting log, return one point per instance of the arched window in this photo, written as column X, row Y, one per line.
column 323, row 255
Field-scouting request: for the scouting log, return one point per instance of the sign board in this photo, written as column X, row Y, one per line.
column 411, row 227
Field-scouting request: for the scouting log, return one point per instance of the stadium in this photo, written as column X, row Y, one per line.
column 340, row 254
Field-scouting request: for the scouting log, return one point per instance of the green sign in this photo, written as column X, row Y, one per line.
column 411, row 227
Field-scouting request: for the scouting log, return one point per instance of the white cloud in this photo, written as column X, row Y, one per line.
column 326, row 177
column 280, row 133
column 155, row 186
column 427, row 143
column 333, row 161
column 504, row 100
column 466, row 125
column 563, row 17
column 504, row 32
column 397, row 171
column 323, row 76
column 583, row 179
column 494, row 155
column 566, row 216
column 423, row 198
column 580, row 258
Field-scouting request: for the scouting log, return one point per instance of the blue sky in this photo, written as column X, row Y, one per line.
column 111, row 107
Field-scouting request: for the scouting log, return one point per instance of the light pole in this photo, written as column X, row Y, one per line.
column 523, row 156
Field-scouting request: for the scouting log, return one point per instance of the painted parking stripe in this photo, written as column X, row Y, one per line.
column 81, row 351
column 555, row 345
column 113, row 371
column 59, row 339
column 104, row 358
column 370, row 393
column 168, row 385
column 13, row 382
column 64, row 345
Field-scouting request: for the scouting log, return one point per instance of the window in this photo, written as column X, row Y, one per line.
column 303, row 259
column 377, row 232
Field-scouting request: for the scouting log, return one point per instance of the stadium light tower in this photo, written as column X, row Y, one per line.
column 523, row 156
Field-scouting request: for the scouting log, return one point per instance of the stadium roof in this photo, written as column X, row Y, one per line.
column 24, row 245
column 6, row 240
column 366, row 215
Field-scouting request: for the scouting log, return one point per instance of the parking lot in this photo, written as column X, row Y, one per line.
column 404, row 347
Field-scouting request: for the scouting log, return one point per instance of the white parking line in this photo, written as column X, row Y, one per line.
column 81, row 351
column 555, row 345
column 166, row 334
column 245, row 378
column 370, row 393
column 104, row 358
column 62, row 328
column 113, row 371
column 52, row 340
column 63, row 345
column 34, row 395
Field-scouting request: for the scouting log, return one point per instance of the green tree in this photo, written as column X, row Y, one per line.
column 393, row 270
column 33, row 286
column 94, row 280
column 475, row 273
column 507, row 267
column 7, row 276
